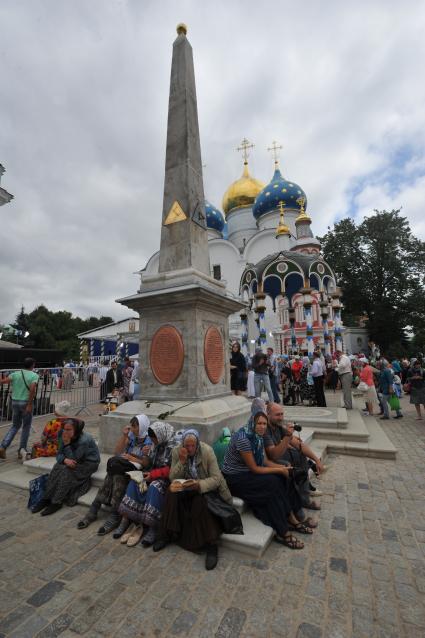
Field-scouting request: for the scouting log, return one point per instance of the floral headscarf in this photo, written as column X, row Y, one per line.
column 161, row 454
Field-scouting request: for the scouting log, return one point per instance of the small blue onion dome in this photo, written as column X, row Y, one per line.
column 215, row 218
column 279, row 190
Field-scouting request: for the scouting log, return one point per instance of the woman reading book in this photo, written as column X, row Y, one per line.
column 186, row 518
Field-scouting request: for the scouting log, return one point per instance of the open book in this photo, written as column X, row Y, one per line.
column 181, row 484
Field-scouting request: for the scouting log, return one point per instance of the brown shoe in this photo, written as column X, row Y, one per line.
column 2, row 453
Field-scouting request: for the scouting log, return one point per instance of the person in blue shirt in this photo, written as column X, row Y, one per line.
column 386, row 386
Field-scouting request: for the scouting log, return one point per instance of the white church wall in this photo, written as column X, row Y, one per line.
column 263, row 244
column 224, row 254
column 241, row 226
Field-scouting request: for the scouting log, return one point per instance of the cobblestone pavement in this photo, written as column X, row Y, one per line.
column 361, row 574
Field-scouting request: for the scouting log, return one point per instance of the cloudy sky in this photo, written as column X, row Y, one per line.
column 83, row 111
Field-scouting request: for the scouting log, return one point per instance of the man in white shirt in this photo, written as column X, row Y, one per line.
column 346, row 377
column 318, row 373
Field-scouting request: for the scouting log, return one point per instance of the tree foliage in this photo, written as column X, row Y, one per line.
column 57, row 330
column 380, row 267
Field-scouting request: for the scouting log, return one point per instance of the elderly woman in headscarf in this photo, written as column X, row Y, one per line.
column 261, row 483
column 186, row 518
column 77, row 459
column 131, row 453
column 142, row 508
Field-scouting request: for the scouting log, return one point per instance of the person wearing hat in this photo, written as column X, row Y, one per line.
column 49, row 442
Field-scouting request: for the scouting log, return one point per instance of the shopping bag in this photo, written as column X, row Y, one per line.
column 37, row 489
column 394, row 402
column 221, row 445
column 229, row 517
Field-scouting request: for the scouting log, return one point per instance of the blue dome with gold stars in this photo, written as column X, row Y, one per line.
column 215, row 218
column 279, row 190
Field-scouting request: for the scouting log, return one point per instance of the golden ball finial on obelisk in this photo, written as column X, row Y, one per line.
column 181, row 28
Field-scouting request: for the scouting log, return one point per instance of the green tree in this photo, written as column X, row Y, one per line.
column 379, row 265
column 56, row 330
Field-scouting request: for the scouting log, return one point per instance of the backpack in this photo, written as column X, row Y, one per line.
column 221, row 445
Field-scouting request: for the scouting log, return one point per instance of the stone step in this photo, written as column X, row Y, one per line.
column 255, row 539
column 356, row 430
column 44, row 466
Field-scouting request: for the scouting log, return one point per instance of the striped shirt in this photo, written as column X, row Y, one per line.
column 233, row 462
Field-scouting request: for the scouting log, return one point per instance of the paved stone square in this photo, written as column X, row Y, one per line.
column 361, row 574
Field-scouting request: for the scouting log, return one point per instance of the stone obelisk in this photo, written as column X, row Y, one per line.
column 184, row 311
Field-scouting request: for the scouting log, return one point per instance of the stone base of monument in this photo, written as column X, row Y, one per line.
column 208, row 416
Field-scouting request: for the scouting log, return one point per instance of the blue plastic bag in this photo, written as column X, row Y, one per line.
column 37, row 489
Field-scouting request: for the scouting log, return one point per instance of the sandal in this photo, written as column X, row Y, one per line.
column 289, row 541
column 313, row 506
column 301, row 528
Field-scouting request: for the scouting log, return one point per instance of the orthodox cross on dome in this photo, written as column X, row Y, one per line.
column 274, row 148
column 301, row 203
column 282, row 228
column 245, row 145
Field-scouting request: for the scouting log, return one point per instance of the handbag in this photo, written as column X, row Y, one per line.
column 230, row 518
column 407, row 388
column 37, row 488
column 363, row 387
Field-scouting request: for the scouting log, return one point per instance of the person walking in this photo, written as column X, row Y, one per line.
column 345, row 373
column 272, row 362
column 24, row 387
column 261, row 374
column 318, row 373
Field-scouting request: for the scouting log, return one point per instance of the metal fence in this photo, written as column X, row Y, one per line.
column 82, row 386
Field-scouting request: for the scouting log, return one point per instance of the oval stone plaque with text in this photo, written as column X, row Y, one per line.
column 166, row 355
column 213, row 354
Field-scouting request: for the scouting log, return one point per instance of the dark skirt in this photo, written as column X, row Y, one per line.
column 187, row 521
column 115, row 483
column 66, row 485
column 268, row 495
column 237, row 380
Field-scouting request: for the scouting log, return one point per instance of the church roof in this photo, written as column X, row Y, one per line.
column 215, row 218
column 242, row 192
column 278, row 190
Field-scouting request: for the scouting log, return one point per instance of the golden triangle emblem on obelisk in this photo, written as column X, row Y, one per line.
column 175, row 214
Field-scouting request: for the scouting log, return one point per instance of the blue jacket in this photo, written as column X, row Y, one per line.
column 386, row 380
column 81, row 450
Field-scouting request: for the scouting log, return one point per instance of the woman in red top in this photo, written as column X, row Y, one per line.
column 366, row 376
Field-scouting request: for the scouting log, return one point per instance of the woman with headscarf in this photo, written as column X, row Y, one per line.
column 131, row 453
column 262, row 484
column 77, row 459
column 186, row 518
column 238, row 369
column 144, row 508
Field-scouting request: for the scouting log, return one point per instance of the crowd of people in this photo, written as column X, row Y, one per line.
column 163, row 486
column 300, row 378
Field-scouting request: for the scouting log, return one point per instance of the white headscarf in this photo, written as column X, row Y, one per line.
column 144, row 423
column 164, row 432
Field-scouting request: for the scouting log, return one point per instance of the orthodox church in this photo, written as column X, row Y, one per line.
column 262, row 247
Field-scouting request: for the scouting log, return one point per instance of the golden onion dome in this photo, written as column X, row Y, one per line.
column 242, row 192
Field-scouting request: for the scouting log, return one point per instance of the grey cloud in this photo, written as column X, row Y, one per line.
column 84, row 110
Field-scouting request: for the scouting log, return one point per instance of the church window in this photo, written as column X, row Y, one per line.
column 217, row 272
